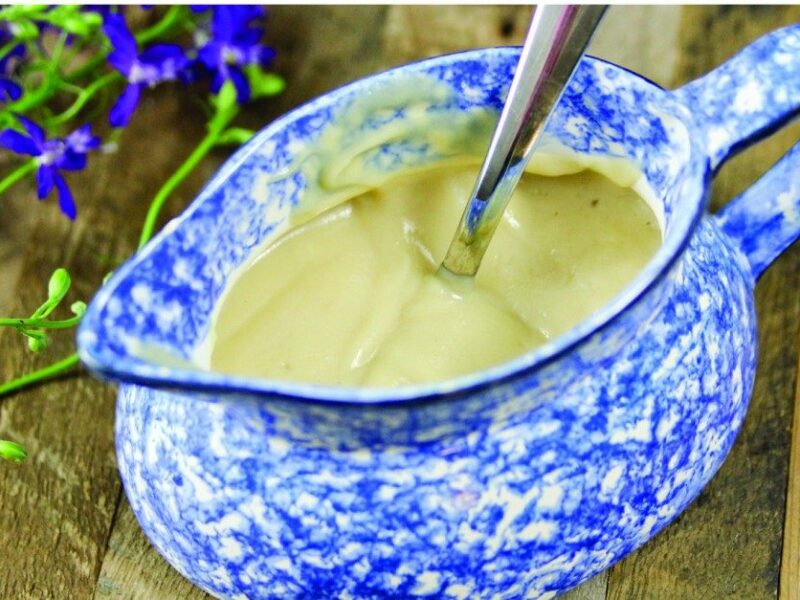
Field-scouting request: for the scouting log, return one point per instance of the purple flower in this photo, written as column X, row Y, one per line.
column 233, row 44
column 9, row 90
column 51, row 156
column 101, row 9
column 161, row 62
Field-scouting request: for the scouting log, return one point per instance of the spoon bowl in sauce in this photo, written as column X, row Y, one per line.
column 556, row 40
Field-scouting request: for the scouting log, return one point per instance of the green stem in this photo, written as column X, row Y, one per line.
column 36, row 98
column 83, row 97
column 90, row 66
column 208, row 142
column 39, row 375
column 76, row 49
column 45, row 91
column 40, row 323
column 8, row 48
column 69, row 87
column 17, row 174
column 167, row 22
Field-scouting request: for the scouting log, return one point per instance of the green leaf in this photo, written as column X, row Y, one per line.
column 12, row 451
column 78, row 308
column 263, row 84
column 235, row 135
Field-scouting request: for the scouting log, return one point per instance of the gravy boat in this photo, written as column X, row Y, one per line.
column 518, row 481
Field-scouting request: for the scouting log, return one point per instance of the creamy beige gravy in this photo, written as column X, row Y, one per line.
column 352, row 297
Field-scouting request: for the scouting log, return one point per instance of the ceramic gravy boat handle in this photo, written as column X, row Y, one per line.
column 737, row 104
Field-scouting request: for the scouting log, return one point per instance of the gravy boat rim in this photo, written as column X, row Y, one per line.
column 140, row 372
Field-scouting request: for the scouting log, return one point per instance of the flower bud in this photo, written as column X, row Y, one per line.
column 12, row 451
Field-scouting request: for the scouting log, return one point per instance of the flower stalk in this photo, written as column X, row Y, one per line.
column 115, row 67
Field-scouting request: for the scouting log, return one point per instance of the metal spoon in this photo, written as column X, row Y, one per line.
column 556, row 41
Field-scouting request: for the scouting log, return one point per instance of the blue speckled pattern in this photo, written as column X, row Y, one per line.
column 519, row 481
column 764, row 220
column 749, row 97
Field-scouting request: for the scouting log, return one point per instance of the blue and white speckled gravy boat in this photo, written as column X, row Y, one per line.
column 519, row 481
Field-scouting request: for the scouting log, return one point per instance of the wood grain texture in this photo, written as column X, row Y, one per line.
column 43, row 505
column 790, row 558
column 17, row 219
column 728, row 543
column 132, row 570
column 56, row 509
column 595, row 588
column 414, row 32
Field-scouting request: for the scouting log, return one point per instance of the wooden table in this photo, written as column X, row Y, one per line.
column 66, row 530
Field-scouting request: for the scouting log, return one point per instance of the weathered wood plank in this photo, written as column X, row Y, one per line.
column 152, row 579
column 18, row 216
column 415, row 32
column 790, row 557
column 728, row 543
column 593, row 589
column 56, row 509
column 43, row 503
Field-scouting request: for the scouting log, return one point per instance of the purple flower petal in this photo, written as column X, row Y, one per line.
column 123, row 109
column 169, row 59
column 36, row 132
column 217, row 82
column 121, row 62
column 9, row 90
column 243, row 15
column 266, row 54
column 124, row 53
column 249, row 37
column 19, row 143
column 230, row 22
column 223, row 23
column 211, row 54
column 192, row 72
column 158, row 53
column 241, row 85
column 101, row 9
column 118, row 34
column 44, row 180
column 258, row 55
column 82, row 140
column 65, row 200
column 71, row 161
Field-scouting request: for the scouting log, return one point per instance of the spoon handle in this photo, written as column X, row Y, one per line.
column 556, row 41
